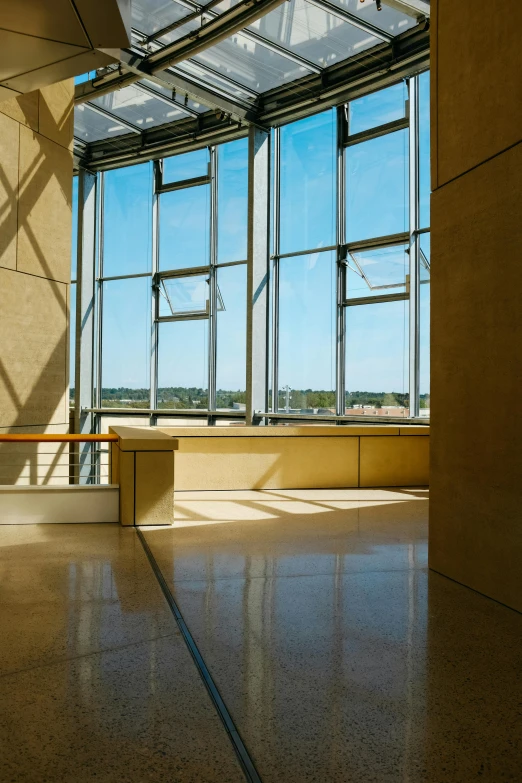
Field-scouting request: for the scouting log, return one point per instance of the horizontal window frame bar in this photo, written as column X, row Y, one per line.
column 230, row 263
column 375, row 243
column 122, row 277
column 199, row 316
column 379, row 299
column 356, row 419
column 204, row 412
column 185, row 272
column 379, row 130
column 192, row 182
column 327, row 249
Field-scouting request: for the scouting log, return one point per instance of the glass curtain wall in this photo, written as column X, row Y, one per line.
column 350, row 263
column 171, row 283
column 349, row 270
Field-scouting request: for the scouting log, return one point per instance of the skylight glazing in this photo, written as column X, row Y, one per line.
column 313, row 33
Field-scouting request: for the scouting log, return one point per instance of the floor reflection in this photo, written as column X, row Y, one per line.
column 340, row 657
column 96, row 682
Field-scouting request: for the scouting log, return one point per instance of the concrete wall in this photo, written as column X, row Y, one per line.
column 476, row 323
column 36, row 137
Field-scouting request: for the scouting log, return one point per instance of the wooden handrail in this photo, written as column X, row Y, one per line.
column 58, row 438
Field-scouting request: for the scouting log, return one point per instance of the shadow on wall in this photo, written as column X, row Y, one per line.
column 35, row 221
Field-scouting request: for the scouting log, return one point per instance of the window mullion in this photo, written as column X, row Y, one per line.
column 276, row 195
column 154, row 327
column 414, row 343
column 341, row 269
column 212, row 352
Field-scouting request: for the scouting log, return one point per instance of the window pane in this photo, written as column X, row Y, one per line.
column 149, row 16
column 138, row 107
column 74, row 240
column 126, row 343
column 308, row 183
column 424, row 149
column 231, row 338
column 313, row 32
column 183, row 296
column 377, row 187
column 378, row 108
column 394, row 22
column 89, row 125
column 232, row 201
column 72, row 338
column 377, row 359
column 307, row 333
column 183, row 364
column 127, row 221
column 377, row 272
column 424, row 330
column 186, row 166
column 251, row 65
column 185, row 228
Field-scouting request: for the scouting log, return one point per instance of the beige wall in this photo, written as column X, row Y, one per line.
column 476, row 330
column 36, row 137
column 299, row 457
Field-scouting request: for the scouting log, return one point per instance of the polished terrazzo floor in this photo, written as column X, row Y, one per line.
column 338, row 654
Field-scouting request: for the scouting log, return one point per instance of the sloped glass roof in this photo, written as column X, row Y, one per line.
column 292, row 42
column 313, row 33
column 387, row 19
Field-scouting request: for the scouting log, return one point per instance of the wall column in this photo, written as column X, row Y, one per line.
column 257, row 272
column 84, row 370
column 476, row 324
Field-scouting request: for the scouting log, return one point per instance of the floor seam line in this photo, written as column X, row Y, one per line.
column 302, row 576
column 58, row 661
column 245, row 760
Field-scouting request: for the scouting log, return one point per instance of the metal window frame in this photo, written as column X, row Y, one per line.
column 206, row 10
column 410, row 238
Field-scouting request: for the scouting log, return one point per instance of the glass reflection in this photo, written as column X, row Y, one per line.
column 377, row 359
column 126, row 343
column 307, row 333
column 377, row 187
column 184, row 233
column 183, row 364
column 378, row 108
column 127, row 220
column 308, row 183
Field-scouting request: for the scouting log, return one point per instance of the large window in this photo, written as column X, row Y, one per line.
column 172, row 282
column 350, row 327
column 124, row 283
column 308, row 183
column 307, row 333
column 348, row 279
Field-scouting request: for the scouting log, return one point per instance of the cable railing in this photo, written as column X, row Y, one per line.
column 27, row 460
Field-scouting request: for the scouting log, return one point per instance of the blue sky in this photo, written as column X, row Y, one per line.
column 376, row 203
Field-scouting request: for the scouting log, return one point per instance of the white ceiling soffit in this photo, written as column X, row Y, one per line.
column 45, row 41
column 415, row 8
